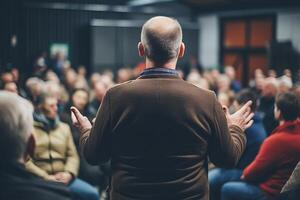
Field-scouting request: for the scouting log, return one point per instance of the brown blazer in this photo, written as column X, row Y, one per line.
column 159, row 131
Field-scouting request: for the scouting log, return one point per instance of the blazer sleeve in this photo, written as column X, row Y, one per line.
column 294, row 180
column 226, row 144
column 72, row 159
column 96, row 143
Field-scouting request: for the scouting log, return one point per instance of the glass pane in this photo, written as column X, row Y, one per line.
column 261, row 33
column 235, row 34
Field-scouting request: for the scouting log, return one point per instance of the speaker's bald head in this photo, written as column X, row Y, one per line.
column 161, row 37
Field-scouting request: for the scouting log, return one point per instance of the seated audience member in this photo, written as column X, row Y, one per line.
column 55, row 157
column 99, row 92
column 276, row 159
column 257, row 83
column 16, row 143
column 79, row 99
column 255, row 136
column 266, row 104
column 235, row 85
column 291, row 189
column 223, row 82
column 34, row 87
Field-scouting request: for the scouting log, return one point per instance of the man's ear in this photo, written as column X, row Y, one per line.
column 181, row 50
column 141, row 49
column 30, row 148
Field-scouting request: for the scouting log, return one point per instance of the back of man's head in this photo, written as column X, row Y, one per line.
column 15, row 125
column 161, row 38
column 289, row 105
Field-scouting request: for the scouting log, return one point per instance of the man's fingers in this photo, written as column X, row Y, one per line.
column 244, row 108
column 247, row 113
column 249, row 124
column 249, row 117
column 74, row 119
column 77, row 114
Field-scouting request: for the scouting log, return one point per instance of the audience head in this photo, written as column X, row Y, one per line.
column 47, row 105
column 243, row 97
column 259, row 81
column 16, row 74
column 81, row 70
column 95, row 77
column 230, row 72
column 7, row 77
column 223, row 83
column 161, row 40
column 284, row 84
column 287, row 106
column 34, row 87
column 52, row 89
column 70, row 78
column 272, row 73
column 80, row 98
column 226, row 98
column 100, row 90
column 11, row 87
column 52, row 76
column 269, row 88
column 287, row 72
column 123, row 75
column 16, row 124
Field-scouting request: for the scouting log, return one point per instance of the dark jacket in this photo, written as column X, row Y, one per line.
column 266, row 107
column 158, row 131
column 255, row 134
column 18, row 184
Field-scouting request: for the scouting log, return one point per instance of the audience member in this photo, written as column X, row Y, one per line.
column 266, row 104
column 55, row 157
column 16, row 144
column 234, row 84
column 278, row 156
column 99, row 92
column 255, row 135
column 80, row 99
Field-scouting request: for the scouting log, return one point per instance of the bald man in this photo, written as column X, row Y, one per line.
column 158, row 130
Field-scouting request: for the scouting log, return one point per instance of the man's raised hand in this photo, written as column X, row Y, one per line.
column 242, row 117
column 80, row 121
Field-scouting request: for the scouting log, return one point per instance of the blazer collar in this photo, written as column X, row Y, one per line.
column 159, row 72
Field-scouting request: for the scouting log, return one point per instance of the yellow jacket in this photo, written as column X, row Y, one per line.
column 55, row 150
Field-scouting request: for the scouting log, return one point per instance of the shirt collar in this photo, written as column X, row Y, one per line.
column 158, row 71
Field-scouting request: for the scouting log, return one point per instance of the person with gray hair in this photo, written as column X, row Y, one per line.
column 16, row 144
column 161, row 43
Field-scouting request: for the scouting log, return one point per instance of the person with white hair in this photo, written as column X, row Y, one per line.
column 16, row 144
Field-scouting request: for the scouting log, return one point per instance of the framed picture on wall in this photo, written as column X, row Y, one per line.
column 59, row 48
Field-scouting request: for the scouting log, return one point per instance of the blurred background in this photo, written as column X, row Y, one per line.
column 103, row 34
column 72, row 52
